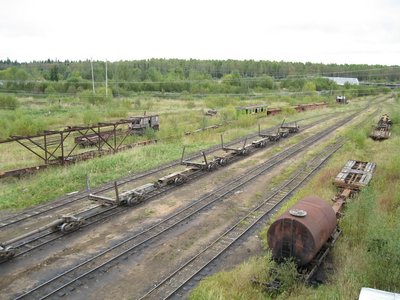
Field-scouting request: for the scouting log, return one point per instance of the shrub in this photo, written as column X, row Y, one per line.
column 190, row 104
column 98, row 98
column 91, row 117
column 28, row 125
column 8, row 102
column 137, row 104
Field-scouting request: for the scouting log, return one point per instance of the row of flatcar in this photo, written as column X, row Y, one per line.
column 139, row 194
column 135, row 196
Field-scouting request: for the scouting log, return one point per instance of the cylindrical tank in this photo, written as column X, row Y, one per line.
column 302, row 230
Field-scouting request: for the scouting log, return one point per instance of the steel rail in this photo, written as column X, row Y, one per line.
column 123, row 248
column 175, row 281
column 41, row 239
column 66, row 200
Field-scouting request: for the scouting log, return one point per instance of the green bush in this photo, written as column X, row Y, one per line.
column 190, row 104
column 28, row 125
column 8, row 102
column 91, row 117
column 358, row 136
column 98, row 98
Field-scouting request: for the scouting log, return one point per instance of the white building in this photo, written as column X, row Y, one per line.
column 344, row 80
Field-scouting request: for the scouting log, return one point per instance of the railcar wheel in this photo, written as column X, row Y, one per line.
column 6, row 253
column 222, row 161
column 135, row 200
column 212, row 166
column 180, row 180
column 245, row 151
column 69, row 227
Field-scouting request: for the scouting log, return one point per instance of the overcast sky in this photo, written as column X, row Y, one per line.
column 340, row 31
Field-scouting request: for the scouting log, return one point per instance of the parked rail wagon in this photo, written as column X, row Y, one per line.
column 141, row 123
column 382, row 130
column 92, row 139
column 138, row 125
column 341, row 100
column 302, row 230
column 309, row 228
column 252, row 109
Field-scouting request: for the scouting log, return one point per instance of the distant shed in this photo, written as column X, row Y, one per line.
column 252, row 109
column 344, row 80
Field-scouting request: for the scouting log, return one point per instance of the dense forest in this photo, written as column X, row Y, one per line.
column 177, row 76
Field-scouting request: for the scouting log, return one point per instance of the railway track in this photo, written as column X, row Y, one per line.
column 71, row 198
column 171, row 285
column 42, row 238
column 59, row 284
column 47, row 237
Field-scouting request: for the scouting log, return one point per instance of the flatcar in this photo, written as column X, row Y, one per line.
column 382, row 130
column 92, row 139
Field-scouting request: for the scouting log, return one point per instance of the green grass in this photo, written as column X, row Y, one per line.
column 368, row 252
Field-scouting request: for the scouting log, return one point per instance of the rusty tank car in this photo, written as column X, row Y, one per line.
column 301, row 231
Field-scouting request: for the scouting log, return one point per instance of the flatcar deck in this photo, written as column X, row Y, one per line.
column 355, row 175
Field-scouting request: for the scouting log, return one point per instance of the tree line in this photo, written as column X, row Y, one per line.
column 177, row 75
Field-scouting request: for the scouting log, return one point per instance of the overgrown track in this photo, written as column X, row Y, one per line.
column 44, row 238
column 40, row 239
column 82, row 195
column 105, row 259
column 173, row 283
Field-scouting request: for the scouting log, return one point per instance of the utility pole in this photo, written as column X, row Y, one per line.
column 91, row 66
column 106, row 81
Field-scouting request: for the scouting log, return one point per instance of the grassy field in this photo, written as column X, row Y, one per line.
column 368, row 252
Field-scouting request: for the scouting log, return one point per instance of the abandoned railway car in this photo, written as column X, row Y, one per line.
column 92, row 139
column 136, row 125
column 140, row 123
column 307, row 230
column 301, row 231
column 382, row 130
column 252, row 109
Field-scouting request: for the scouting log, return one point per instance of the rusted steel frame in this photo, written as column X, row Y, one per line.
column 61, row 144
column 44, row 149
column 323, row 253
column 37, row 154
column 338, row 205
column 76, row 145
column 67, row 130
column 126, row 135
column 35, row 231
column 84, row 134
column 115, row 137
column 16, row 138
column 117, row 200
column 62, row 147
column 19, row 172
column 105, row 141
